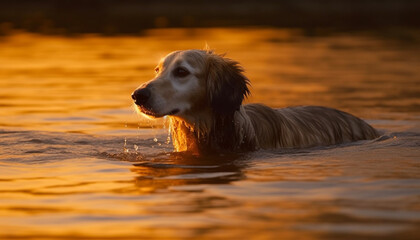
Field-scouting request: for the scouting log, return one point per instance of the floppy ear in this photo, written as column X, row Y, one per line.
column 226, row 85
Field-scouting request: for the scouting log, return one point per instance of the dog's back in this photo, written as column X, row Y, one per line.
column 305, row 126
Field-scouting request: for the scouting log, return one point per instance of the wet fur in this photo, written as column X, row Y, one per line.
column 216, row 121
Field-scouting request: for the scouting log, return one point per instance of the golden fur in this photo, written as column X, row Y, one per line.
column 202, row 94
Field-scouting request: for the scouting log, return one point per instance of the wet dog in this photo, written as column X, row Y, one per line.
column 202, row 93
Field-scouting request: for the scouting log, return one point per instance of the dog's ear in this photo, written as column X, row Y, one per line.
column 226, row 85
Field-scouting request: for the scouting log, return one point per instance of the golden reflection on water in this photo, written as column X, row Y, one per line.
column 179, row 196
column 66, row 186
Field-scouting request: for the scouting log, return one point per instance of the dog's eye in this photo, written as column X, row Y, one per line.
column 180, row 72
column 157, row 70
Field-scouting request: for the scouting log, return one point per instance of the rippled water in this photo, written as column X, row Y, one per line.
column 77, row 162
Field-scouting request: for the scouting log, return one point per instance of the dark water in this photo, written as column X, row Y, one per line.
column 77, row 162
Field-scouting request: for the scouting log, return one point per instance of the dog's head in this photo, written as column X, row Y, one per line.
column 191, row 81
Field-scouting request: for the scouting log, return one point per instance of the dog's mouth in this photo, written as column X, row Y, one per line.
column 151, row 113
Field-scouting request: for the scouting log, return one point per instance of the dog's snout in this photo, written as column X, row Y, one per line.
column 140, row 96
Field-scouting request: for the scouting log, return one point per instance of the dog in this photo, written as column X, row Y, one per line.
column 202, row 92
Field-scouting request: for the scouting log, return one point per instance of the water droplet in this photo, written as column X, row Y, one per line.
column 125, row 149
column 168, row 138
column 155, row 140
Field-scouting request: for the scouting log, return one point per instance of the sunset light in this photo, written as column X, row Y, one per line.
column 80, row 159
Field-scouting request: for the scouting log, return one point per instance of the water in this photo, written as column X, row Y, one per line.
column 77, row 162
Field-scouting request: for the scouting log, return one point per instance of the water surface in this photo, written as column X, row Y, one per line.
column 77, row 162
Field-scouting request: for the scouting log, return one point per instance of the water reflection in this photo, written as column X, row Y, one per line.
column 343, row 192
column 163, row 173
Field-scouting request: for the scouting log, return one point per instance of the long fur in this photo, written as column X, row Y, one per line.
column 216, row 121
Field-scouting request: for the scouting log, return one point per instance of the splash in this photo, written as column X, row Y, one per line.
column 167, row 125
column 125, row 149
column 168, row 138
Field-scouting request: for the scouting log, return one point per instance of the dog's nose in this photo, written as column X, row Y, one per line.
column 140, row 96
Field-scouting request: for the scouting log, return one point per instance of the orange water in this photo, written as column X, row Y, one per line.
column 77, row 162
